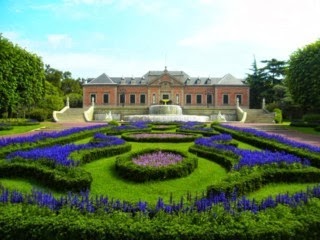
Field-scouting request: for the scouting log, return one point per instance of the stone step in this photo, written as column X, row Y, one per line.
column 259, row 116
column 72, row 115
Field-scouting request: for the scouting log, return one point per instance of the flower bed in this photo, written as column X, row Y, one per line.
column 155, row 164
column 42, row 216
column 44, row 139
column 196, row 127
column 59, row 154
column 157, row 159
column 160, row 137
column 249, row 158
column 273, row 142
column 56, row 166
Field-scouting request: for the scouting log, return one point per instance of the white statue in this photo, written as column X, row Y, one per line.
column 109, row 116
column 221, row 117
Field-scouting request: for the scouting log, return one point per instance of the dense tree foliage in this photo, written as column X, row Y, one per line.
column 267, row 82
column 66, row 85
column 303, row 77
column 22, row 78
column 27, row 89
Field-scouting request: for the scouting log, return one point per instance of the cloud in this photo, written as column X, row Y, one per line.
column 279, row 24
column 59, row 40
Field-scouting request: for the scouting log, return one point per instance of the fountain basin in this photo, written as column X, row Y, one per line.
column 166, row 118
column 165, row 110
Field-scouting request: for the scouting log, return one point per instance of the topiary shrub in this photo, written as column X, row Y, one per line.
column 141, row 166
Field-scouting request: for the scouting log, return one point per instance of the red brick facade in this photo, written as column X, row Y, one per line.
column 175, row 88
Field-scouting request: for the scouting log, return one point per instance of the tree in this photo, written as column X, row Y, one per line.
column 53, row 76
column 303, row 77
column 21, row 78
column 263, row 80
column 255, row 81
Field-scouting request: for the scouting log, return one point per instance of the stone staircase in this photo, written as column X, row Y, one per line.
column 72, row 115
column 259, row 116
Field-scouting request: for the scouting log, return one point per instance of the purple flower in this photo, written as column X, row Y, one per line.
column 157, row 159
column 59, row 154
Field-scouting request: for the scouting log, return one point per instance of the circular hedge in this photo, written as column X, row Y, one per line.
column 163, row 127
column 160, row 137
column 127, row 168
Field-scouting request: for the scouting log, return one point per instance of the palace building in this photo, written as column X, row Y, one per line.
column 165, row 87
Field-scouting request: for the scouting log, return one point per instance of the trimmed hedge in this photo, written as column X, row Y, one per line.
column 198, row 131
column 227, row 160
column 245, row 182
column 5, row 126
column 50, row 141
column 61, row 178
column 25, row 222
column 163, row 127
column 129, row 170
column 271, row 145
column 188, row 137
column 89, row 155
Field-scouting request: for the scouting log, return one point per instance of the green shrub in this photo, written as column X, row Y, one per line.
column 39, row 114
column 89, row 155
column 227, row 160
column 278, row 115
column 4, row 126
column 61, row 178
column 312, row 117
column 26, row 222
column 129, row 170
column 114, row 123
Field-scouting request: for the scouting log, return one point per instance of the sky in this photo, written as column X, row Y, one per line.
column 204, row 38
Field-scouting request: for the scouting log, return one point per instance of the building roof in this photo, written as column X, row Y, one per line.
column 181, row 76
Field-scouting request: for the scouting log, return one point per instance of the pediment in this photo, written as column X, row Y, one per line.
column 165, row 79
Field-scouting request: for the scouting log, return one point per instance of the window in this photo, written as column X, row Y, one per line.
column 177, row 98
column 106, row 98
column 153, row 98
column 142, row 99
column 209, row 99
column 239, row 97
column 93, row 97
column 165, row 96
column 199, row 99
column 188, row 99
column 132, row 99
column 122, row 98
column 225, row 99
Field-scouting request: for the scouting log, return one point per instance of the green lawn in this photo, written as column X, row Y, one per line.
column 24, row 129
column 279, row 188
column 107, row 182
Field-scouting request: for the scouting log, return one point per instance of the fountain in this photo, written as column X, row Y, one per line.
column 166, row 113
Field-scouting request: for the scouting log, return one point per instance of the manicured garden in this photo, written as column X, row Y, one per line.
column 144, row 181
